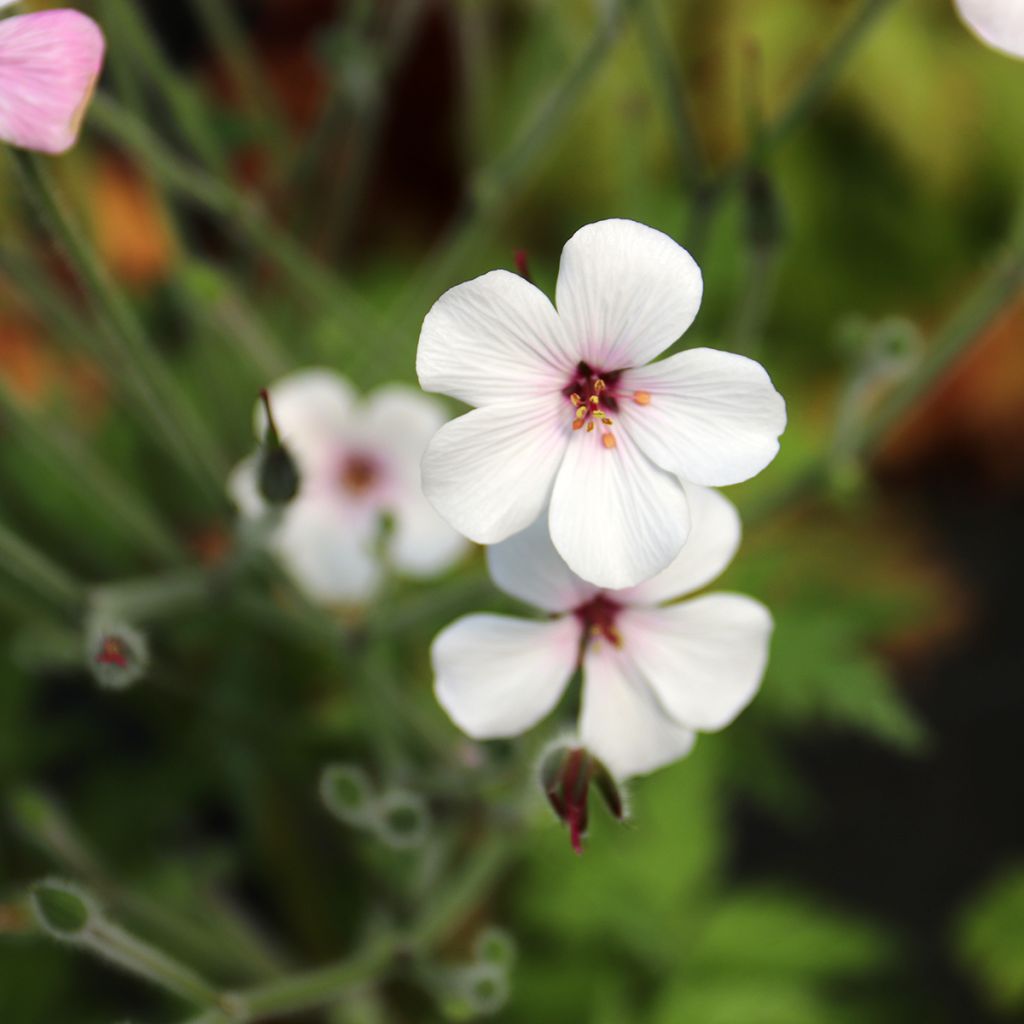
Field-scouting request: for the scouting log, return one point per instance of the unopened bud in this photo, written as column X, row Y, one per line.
column 278, row 475
column 347, row 792
column 403, row 820
column 566, row 773
column 495, row 946
column 62, row 909
column 117, row 654
column 476, row 990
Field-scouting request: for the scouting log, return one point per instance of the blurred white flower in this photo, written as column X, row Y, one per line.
column 653, row 673
column 49, row 64
column 568, row 410
column 998, row 23
column 358, row 461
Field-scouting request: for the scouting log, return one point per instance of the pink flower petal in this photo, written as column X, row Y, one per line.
column 49, row 63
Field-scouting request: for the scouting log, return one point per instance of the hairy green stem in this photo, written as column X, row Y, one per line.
column 28, row 566
column 173, row 420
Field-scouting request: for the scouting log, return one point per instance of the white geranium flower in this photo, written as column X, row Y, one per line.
column 653, row 673
column 569, row 411
column 358, row 460
column 998, row 23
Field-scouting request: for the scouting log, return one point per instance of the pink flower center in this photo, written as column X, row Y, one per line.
column 592, row 395
column 112, row 652
column 598, row 619
column 359, row 473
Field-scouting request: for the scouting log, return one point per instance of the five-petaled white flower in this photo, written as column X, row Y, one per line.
column 569, row 412
column 358, row 461
column 998, row 23
column 49, row 63
column 653, row 673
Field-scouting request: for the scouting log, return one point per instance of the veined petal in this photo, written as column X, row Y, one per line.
column 703, row 658
column 616, row 518
column 620, row 719
column 498, row 676
column 998, row 23
column 625, row 293
column 528, row 567
column 714, row 537
column 489, row 472
column 707, row 416
column 328, row 551
column 49, row 63
column 496, row 338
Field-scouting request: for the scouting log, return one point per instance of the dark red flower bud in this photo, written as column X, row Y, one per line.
column 566, row 773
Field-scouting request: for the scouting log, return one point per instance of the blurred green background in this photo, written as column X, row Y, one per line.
column 279, row 184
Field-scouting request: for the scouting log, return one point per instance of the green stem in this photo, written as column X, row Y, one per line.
column 76, row 463
column 175, row 423
column 814, row 88
column 495, row 184
column 668, row 76
column 34, row 570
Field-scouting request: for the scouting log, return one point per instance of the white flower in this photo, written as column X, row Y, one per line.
column 358, row 460
column 998, row 23
column 653, row 673
column 568, row 410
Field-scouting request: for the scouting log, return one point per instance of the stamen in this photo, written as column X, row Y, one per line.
column 590, row 427
column 576, row 424
column 575, row 399
column 608, row 440
column 599, row 385
column 581, row 412
column 594, row 400
column 642, row 397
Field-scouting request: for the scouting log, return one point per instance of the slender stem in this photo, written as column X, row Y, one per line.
column 495, row 184
column 30, row 567
column 76, row 463
column 176, row 424
column 815, row 86
column 668, row 76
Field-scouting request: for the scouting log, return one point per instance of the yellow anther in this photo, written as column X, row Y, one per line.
column 642, row 397
column 575, row 399
column 581, row 412
column 599, row 385
column 608, row 440
column 594, row 400
column 590, row 426
column 607, row 422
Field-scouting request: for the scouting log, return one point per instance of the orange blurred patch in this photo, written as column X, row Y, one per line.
column 27, row 366
column 976, row 411
column 130, row 227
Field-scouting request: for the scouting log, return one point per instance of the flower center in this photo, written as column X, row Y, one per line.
column 598, row 619
column 112, row 652
column 358, row 473
column 592, row 396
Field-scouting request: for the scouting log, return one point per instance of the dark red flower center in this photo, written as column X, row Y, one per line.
column 112, row 652
column 358, row 473
column 598, row 619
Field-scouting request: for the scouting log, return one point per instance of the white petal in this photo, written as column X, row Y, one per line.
column 528, row 567
column 243, row 487
column 49, row 63
column 703, row 658
column 328, row 550
column 489, row 472
column 999, row 23
column 498, row 676
column 401, row 420
column 494, row 339
column 714, row 537
column 712, row 417
column 621, row 721
column 423, row 544
column 616, row 518
column 625, row 293
column 313, row 412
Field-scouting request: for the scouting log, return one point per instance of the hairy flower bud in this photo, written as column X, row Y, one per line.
column 117, row 654
column 347, row 792
column 278, row 475
column 566, row 774
column 62, row 909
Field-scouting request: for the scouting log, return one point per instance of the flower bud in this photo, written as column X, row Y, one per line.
column 62, row 909
column 475, row 990
column 347, row 792
column 566, row 774
column 403, row 820
column 278, row 475
column 495, row 946
column 117, row 654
